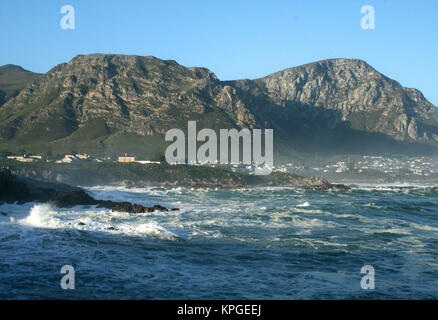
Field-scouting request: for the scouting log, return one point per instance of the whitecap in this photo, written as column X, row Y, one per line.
column 304, row 205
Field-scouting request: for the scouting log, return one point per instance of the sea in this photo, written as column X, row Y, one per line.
column 370, row 242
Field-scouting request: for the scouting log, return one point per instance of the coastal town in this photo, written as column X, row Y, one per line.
column 69, row 158
column 418, row 166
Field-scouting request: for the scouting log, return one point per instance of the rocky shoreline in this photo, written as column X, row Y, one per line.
column 45, row 186
column 164, row 176
column 21, row 190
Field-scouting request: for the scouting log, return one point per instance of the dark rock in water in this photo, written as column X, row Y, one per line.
column 3, row 214
column 129, row 207
column 21, row 190
column 174, row 209
column 159, row 208
column 178, row 239
column 158, row 189
column 74, row 198
column 81, row 224
column 340, row 187
column 110, row 228
column 11, row 189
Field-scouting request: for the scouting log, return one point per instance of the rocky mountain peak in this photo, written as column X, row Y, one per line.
column 96, row 99
column 362, row 96
column 324, row 82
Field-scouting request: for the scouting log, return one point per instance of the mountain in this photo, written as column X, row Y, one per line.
column 12, row 80
column 112, row 104
column 358, row 94
column 345, row 106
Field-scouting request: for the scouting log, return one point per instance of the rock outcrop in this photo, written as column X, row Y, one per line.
column 22, row 190
column 164, row 176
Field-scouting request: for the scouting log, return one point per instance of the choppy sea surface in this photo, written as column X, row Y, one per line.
column 263, row 243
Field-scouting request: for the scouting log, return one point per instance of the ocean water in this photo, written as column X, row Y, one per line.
column 263, row 243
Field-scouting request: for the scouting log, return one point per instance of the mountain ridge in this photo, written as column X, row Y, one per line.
column 364, row 88
column 106, row 102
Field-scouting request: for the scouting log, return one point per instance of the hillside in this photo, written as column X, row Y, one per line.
column 12, row 80
column 113, row 104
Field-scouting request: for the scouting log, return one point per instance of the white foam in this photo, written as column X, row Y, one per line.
column 152, row 229
column 40, row 216
column 391, row 186
column 304, row 205
column 45, row 216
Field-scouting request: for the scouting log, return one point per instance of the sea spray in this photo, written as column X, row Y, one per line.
column 39, row 216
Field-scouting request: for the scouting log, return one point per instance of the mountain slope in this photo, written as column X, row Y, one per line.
column 116, row 103
column 361, row 95
column 112, row 104
column 12, row 80
column 344, row 106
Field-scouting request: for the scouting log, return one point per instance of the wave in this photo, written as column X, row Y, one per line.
column 393, row 186
column 304, row 205
column 45, row 216
column 39, row 216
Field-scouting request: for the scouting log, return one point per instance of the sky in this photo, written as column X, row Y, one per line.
column 234, row 39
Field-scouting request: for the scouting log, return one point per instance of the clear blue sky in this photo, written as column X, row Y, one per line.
column 235, row 39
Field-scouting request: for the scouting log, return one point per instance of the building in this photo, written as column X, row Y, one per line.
column 68, row 158
column 24, row 158
column 126, row 159
column 82, row 156
column 37, row 157
column 14, row 157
